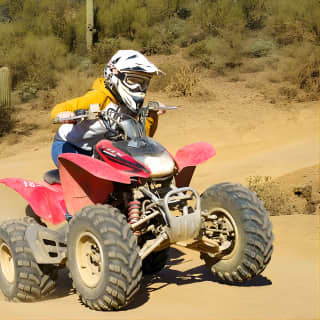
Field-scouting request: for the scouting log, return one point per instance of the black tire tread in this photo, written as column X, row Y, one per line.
column 124, row 263
column 257, row 225
column 32, row 282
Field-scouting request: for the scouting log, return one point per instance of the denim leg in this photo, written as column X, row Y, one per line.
column 59, row 147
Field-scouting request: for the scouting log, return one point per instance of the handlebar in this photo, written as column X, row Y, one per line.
column 156, row 106
column 115, row 122
column 89, row 115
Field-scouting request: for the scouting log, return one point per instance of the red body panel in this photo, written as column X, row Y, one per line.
column 119, row 160
column 46, row 200
column 194, row 154
column 95, row 167
column 188, row 157
column 87, row 181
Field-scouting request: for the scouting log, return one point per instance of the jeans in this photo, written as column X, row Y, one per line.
column 59, row 147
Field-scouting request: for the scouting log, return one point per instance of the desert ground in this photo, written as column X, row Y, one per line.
column 252, row 137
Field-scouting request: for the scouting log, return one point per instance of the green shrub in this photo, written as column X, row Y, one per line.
column 260, row 48
column 214, row 16
column 293, row 21
column 37, row 60
column 302, row 67
column 156, row 40
column 202, row 53
column 254, row 12
column 103, row 51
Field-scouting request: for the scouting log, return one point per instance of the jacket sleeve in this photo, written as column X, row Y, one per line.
column 151, row 123
column 93, row 96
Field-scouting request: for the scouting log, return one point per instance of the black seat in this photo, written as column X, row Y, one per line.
column 52, row 176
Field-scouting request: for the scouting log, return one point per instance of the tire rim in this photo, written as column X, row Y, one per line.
column 230, row 224
column 7, row 263
column 89, row 259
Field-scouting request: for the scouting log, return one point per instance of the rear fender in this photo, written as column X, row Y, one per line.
column 188, row 157
column 86, row 181
column 45, row 200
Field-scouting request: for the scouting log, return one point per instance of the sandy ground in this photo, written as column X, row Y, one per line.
column 252, row 137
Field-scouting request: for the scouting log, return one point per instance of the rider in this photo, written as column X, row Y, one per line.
column 126, row 79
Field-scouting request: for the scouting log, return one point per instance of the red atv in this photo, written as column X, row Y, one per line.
column 120, row 211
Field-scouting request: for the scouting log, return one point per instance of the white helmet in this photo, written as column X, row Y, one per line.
column 128, row 74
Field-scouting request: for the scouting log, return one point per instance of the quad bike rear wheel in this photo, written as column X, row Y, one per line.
column 242, row 225
column 103, row 258
column 21, row 278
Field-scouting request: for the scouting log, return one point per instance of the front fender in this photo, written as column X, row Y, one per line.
column 45, row 200
column 188, row 157
column 86, row 181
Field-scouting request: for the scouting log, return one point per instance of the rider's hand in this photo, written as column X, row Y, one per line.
column 63, row 116
column 160, row 112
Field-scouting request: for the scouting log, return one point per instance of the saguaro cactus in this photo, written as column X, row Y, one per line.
column 90, row 24
column 5, row 100
column 5, row 90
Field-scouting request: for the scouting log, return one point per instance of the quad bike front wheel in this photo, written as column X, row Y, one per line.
column 103, row 258
column 238, row 221
column 21, row 278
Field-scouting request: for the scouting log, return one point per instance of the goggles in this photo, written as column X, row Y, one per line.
column 135, row 82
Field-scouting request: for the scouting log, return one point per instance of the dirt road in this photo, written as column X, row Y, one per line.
column 250, row 140
column 288, row 289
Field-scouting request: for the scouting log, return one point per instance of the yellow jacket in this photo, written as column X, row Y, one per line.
column 102, row 96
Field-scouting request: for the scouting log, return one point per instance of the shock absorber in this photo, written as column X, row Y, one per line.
column 134, row 213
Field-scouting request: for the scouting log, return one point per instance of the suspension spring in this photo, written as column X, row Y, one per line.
column 134, row 214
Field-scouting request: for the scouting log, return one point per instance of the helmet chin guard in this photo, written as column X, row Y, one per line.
column 128, row 74
column 133, row 100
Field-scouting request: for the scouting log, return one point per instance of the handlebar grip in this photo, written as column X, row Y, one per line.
column 154, row 105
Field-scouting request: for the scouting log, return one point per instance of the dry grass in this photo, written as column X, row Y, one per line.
column 71, row 85
column 184, row 82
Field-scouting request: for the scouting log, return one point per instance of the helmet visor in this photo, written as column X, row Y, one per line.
column 136, row 82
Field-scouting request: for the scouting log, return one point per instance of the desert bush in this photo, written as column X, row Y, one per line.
column 162, row 80
column 301, row 66
column 288, row 92
column 71, row 85
column 225, row 53
column 202, row 53
column 37, row 60
column 254, row 12
column 214, row 16
column 252, row 67
column 156, row 40
column 117, row 18
column 103, row 50
column 293, row 21
column 259, row 48
column 183, row 82
column 308, row 74
column 275, row 200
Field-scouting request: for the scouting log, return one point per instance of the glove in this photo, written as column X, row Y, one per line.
column 63, row 116
column 156, row 106
column 161, row 111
